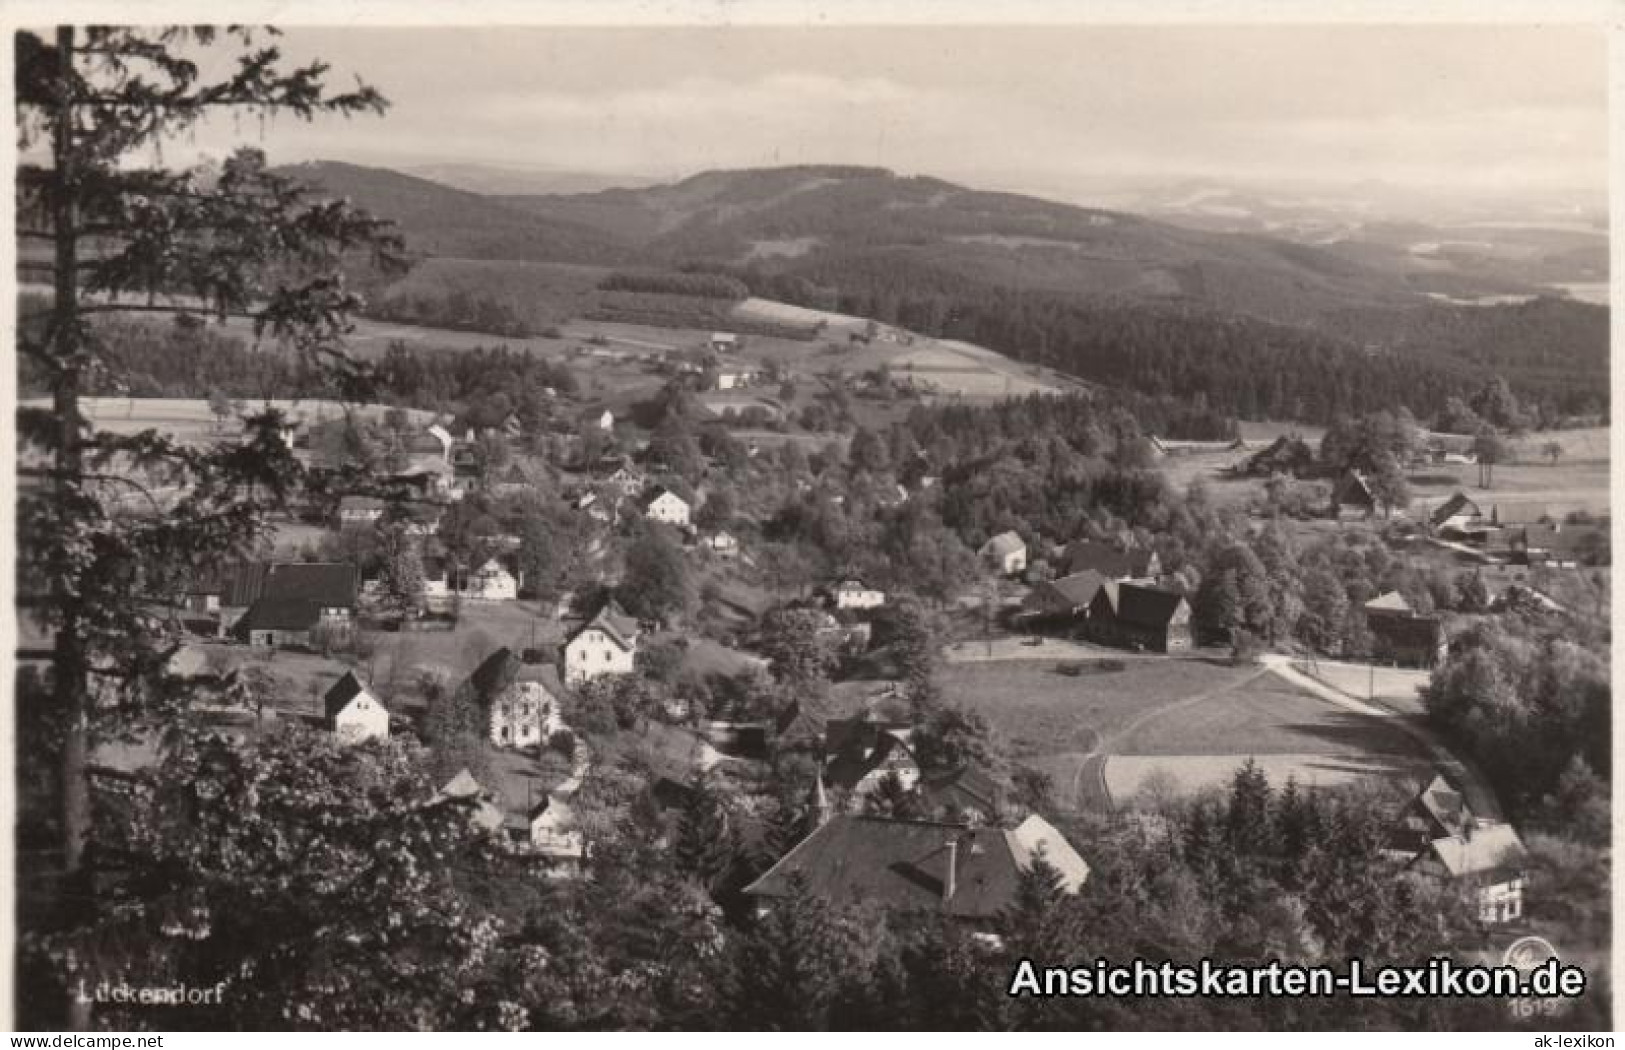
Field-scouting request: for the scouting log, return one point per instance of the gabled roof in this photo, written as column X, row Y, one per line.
column 331, row 584
column 613, row 621
column 656, row 493
column 1393, row 601
column 853, row 762
column 968, row 787
column 1109, row 561
column 1353, row 488
column 1459, row 503
column 463, row 785
column 1076, row 590
column 1147, row 606
column 1444, row 804
column 495, row 674
column 344, row 690
column 903, row 865
column 1003, row 545
column 1492, row 849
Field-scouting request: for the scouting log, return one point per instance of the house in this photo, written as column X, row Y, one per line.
column 1352, row 499
column 967, row 873
column 1402, row 637
column 1454, row 449
column 852, row 594
column 1006, row 553
column 360, row 510
column 494, row 581
column 722, row 544
column 602, row 418
column 623, row 476
column 1558, row 546
column 352, row 714
column 1289, row 455
column 724, row 342
column 1489, row 859
column 552, row 831
column 1067, row 598
column 863, row 753
column 512, row 480
column 605, row 644
column 1456, row 514
column 674, row 757
column 732, row 378
column 966, row 795
column 485, row 814
column 1141, row 618
column 519, row 713
column 436, row 579
column 665, row 506
column 290, row 603
column 1112, row 563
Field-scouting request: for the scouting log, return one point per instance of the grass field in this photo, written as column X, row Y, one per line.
column 1394, row 687
column 1288, row 733
column 1039, row 711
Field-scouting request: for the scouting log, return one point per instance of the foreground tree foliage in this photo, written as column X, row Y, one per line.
column 110, row 523
column 316, row 886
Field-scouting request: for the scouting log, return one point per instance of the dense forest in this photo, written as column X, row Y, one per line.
column 1243, row 366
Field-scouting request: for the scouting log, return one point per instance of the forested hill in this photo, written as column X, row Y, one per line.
column 1261, row 326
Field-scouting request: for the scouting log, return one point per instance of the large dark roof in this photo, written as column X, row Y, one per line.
column 968, row 787
column 853, row 762
column 281, row 614
column 494, row 674
column 1078, row 589
column 903, row 865
column 1147, row 606
column 331, row 584
column 1456, row 504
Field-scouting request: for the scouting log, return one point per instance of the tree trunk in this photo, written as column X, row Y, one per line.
column 69, row 663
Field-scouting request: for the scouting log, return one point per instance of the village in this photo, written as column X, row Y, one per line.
column 434, row 603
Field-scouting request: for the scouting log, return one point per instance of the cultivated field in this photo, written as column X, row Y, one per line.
column 190, row 419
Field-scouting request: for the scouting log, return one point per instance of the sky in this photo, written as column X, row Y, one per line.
column 1431, row 109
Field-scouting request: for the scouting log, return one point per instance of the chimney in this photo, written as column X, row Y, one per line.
column 950, row 881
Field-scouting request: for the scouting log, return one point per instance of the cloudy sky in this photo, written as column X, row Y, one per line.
column 1455, row 109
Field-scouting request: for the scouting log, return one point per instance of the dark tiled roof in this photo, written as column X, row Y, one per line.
column 1352, row 488
column 1147, row 606
column 494, row 674
column 1078, row 589
column 1456, row 504
column 344, row 690
column 854, row 762
column 968, row 787
column 281, row 614
column 331, row 584
column 901, row 865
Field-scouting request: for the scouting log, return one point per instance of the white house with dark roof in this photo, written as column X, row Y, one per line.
column 519, row 713
column 605, row 644
column 666, row 506
column 1006, row 553
column 854, row 594
column 352, row 714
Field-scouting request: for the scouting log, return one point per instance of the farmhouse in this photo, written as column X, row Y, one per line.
column 622, row 475
column 1112, row 563
column 724, row 342
column 605, row 644
column 553, row 833
column 1138, row 617
column 1558, row 546
column 967, row 794
column 518, row 713
column 1289, row 455
column 1456, row 514
column 1352, row 499
column 862, row 754
column 666, row 506
column 1067, row 598
column 732, row 378
column 852, row 594
column 968, row 873
column 1402, row 637
column 1489, row 859
column 289, row 603
column 1006, row 553
column 494, row 581
column 352, row 714
column 1447, row 448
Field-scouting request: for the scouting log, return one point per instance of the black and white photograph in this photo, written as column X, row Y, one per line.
column 792, row 517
